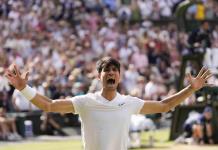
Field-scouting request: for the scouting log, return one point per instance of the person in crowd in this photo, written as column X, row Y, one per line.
column 49, row 126
column 199, row 128
column 8, row 127
column 200, row 38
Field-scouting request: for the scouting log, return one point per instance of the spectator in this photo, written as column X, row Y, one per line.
column 49, row 126
column 151, row 88
column 130, row 77
column 5, row 92
column 20, row 103
column 199, row 127
column 200, row 38
column 140, row 59
column 8, row 127
column 56, row 34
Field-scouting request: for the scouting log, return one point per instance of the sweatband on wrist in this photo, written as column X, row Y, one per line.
column 28, row 92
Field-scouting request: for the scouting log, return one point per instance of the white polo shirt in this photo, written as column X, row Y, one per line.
column 105, row 124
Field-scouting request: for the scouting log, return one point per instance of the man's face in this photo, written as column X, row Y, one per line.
column 208, row 115
column 109, row 77
column 206, row 26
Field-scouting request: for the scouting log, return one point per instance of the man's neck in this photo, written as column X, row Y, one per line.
column 109, row 94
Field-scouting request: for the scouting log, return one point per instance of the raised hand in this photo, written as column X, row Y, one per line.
column 200, row 80
column 15, row 78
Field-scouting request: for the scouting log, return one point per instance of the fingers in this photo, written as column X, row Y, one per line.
column 13, row 71
column 16, row 70
column 11, row 68
column 9, row 73
column 201, row 72
column 26, row 75
column 206, row 73
column 9, row 77
column 208, row 76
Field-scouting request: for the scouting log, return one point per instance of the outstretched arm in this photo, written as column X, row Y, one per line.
column 48, row 105
column 172, row 101
column 19, row 81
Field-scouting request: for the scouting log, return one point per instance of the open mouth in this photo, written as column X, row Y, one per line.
column 110, row 81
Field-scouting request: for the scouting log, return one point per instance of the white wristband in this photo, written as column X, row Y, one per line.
column 28, row 92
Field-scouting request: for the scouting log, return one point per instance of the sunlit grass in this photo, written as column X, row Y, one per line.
column 161, row 139
column 161, row 142
column 47, row 145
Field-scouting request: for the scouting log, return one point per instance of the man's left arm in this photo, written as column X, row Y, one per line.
column 170, row 102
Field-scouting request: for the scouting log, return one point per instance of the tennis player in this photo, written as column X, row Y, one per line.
column 105, row 115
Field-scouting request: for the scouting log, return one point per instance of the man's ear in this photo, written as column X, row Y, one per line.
column 120, row 79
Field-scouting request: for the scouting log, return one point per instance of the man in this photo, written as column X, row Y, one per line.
column 199, row 39
column 206, row 123
column 105, row 115
column 199, row 126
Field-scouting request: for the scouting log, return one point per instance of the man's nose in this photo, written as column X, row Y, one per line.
column 111, row 71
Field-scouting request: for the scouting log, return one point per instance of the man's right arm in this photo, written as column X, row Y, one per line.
column 48, row 105
column 19, row 81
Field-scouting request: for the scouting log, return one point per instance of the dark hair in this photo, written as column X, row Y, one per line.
column 106, row 62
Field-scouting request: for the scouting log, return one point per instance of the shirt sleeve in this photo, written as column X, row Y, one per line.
column 78, row 103
column 136, row 104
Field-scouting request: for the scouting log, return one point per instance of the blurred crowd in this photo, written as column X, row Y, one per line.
column 206, row 10
column 59, row 42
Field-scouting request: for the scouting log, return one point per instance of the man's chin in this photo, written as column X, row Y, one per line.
column 111, row 87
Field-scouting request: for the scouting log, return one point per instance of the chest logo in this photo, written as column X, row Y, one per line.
column 121, row 104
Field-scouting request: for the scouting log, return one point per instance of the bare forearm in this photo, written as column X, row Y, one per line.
column 42, row 102
column 48, row 105
column 176, row 99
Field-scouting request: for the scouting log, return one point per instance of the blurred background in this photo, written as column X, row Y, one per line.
column 59, row 42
